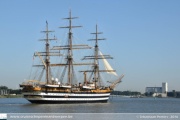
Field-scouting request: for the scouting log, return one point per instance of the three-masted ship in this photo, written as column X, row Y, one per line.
column 54, row 90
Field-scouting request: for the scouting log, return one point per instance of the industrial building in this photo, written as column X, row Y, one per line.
column 154, row 89
column 164, row 87
column 4, row 92
column 158, row 90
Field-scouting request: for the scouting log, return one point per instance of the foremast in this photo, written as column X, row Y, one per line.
column 96, row 66
column 96, row 57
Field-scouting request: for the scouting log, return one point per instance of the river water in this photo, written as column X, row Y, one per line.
column 116, row 108
column 114, row 105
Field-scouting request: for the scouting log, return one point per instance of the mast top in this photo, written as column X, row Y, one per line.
column 70, row 15
column 96, row 35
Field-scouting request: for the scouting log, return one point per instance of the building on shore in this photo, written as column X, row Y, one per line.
column 158, row 90
column 4, row 92
column 164, row 87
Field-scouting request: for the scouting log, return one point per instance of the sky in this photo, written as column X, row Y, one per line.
column 142, row 36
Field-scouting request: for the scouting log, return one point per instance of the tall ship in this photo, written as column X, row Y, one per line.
column 51, row 89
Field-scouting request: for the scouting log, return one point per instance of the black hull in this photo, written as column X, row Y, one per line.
column 65, row 102
column 44, row 96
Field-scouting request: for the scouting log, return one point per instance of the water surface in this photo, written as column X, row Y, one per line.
column 115, row 105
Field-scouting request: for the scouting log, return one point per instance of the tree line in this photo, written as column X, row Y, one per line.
column 173, row 94
column 128, row 93
column 11, row 91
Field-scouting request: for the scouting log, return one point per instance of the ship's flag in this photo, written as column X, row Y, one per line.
column 46, row 22
column 34, row 56
column 55, row 38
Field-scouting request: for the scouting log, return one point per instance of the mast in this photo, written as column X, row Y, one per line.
column 70, row 48
column 96, row 57
column 96, row 67
column 47, row 54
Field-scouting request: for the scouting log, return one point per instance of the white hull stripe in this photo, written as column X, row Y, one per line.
column 68, row 99
column 67, row 94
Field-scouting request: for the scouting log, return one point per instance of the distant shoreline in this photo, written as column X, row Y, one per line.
column 11, row 96
column 139, row 96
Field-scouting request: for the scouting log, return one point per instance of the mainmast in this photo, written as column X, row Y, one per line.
column 70, row 57
column 70, row 48
column 47, row 54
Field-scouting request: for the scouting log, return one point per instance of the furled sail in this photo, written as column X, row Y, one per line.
column 107, row 65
